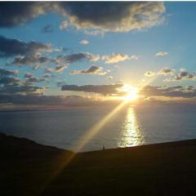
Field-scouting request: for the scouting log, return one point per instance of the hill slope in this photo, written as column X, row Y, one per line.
column 28, row 168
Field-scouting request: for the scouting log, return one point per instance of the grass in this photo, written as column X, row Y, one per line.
column 29, row 169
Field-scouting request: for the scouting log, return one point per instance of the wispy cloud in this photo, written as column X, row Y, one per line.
column 84, row 42
column 64, row 24
column 161, row 53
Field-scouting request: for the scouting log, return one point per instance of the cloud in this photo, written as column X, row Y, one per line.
column 21, row 90
column 133, row 57
column 31, row 99
column 115, row 58
column 8, row 77
column 43, row 100
column 64, row 24
column 17, row 13
column 166, row 71
column 113, row 16
column 60, row 61
column 30, row 60
column 149, row 74
column 49, row 70
column 30, row 78
column 75, row 57
column 10, row 84
column 72, row 58
column 161, row 53
column 175, row 91
column 13, row 47
column 48, row 29
column 7, row 81
column 7, row 73
column 185, row 75
column 84, row 42
column 93, row 70
column 47, row 75
column 174, row 74
column 181, row 75
column 102, row 16
column 101, row 89
column 60, row 68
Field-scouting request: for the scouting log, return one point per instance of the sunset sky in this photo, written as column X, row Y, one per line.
column 97, row 51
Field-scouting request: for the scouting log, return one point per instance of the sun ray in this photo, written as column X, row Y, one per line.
column 131, row 94
column 64, row 162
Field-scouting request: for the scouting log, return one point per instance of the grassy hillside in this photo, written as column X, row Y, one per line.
column 28, row 168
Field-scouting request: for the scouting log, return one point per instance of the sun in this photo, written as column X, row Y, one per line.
column 131, row 93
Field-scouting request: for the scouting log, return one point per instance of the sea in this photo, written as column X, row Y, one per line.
column 102, row 127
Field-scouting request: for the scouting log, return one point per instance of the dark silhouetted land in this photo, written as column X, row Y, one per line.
column 30, row 169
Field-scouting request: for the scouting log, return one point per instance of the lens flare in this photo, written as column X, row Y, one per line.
column 131, row 93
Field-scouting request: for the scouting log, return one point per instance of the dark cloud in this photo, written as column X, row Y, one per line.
column 104, row 16
column 11, row 85
column 30, row 60
column 5, row 73
column 166, row 71
column 30, row 99
column 43, row 100
column 9, row 81
column 174, row 74
column 20, row 89
column 180, row 75
column 17, row 13
column 176, row 91
column 60, row 61
column 185, row 75
column 13, row 47
column 30, row 78
column 47, row 75
column 78, row 57
column 8, row 77
column 113, row 16
column 91, row 70
column 48, row 29
column 149, row 74
column 75, row 57
column 60, row 68
column 101, row 89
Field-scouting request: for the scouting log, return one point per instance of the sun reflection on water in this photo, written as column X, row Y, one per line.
column 131, row 132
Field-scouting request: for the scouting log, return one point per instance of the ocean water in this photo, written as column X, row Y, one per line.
column 95, row 128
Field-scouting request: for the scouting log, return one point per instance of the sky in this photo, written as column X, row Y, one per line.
column 68, row 52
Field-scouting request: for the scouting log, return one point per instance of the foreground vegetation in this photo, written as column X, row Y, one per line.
column 27, row 168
